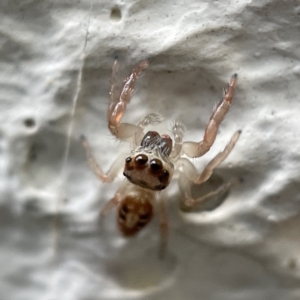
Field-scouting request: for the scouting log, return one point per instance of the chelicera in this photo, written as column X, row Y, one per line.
column 151, row 165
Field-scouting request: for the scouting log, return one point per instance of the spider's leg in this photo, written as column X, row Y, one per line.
column 218, row 159
column 163, row 225
column 194, row 149
column 114, row 169
column 117, row 105
column 114, row 90
column 190, row 175
column 190, row 201
column 113, row 202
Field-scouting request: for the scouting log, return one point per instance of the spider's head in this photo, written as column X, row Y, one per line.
column 149, row 165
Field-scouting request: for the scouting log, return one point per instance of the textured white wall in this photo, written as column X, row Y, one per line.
column 248, row 248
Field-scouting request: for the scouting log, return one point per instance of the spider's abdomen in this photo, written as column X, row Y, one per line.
column 133, row 215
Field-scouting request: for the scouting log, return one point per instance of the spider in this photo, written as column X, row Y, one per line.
column 149, row 168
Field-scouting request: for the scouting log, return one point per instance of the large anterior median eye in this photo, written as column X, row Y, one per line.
column 151, row 137
column 156, row 166
column 141, row 160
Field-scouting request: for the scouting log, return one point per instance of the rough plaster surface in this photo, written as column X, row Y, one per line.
column 247, row 248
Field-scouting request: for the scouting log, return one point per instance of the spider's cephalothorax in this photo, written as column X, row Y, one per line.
column 149, row 165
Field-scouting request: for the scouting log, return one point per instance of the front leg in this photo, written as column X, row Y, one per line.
column 117, row 105
column 193, row 149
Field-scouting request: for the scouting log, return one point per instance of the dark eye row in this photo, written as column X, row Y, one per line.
column 156, row 165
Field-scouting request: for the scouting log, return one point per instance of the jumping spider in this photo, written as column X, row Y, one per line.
column 151, row 165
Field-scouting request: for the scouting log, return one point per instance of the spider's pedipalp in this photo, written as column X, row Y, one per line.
column 178, row 132
column 151, row 119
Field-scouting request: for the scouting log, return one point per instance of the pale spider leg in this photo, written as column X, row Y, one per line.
column 218, row 159
column 178, row 131
column 113, row 202
column 190, row 170
column 114, row 169
column 163, row 225
column 114, row 91
column 185, row 188
column 194, row 149
column 125, row 130
column 190, row 175
column 188, row 200
column 187, row 168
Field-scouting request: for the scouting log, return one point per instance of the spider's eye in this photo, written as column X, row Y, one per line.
column 166, row 145
column 156, row 166
column 151, row 137
column 128, row 159
column 141, row 159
